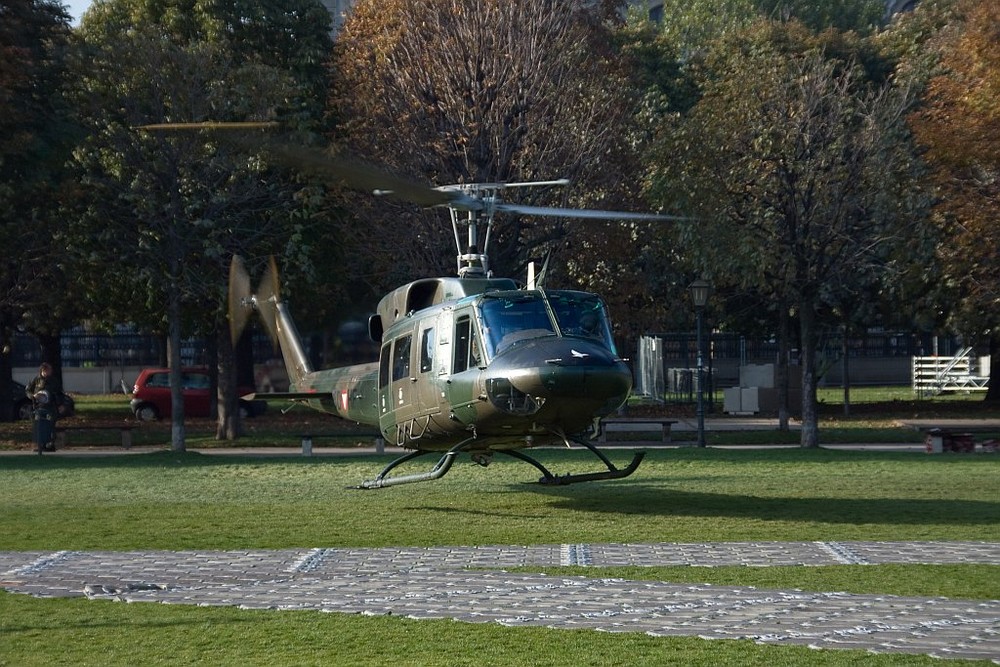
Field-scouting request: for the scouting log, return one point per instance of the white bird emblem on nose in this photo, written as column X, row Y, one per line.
column 579, row 355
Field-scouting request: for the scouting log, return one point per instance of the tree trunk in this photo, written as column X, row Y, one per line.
column 993, row 390
column 177, row 435
column 846, row 376
column 243, row 360
column 807, row 354
column 212, row 361
column 6, row 372
column 781, row 376
column 51, row 345
column 229, row 425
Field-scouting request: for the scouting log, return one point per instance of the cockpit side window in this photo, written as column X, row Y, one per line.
column 383, row 366
column 427, row 350
column 401, row 357
column 467, row 352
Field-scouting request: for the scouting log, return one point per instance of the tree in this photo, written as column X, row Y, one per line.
column 451, row 91
column 175, row 208
column 36, row 130
column 960, row 127
column 691, row 26
column 800, row 175
column 841, row 15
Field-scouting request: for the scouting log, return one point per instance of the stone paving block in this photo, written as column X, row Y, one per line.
column 434, row 583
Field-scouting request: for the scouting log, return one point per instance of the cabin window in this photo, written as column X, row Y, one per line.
column 383, row 366
column 463, row 328
column 427, row 350
column 401, row 357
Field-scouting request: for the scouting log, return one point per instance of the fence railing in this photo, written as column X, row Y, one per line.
column 665, row 364
column 961, row 372
column 85, row 350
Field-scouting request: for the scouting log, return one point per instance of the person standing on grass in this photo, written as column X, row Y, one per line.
column 45, row 392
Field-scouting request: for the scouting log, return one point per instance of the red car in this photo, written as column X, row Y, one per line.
column 151, row 395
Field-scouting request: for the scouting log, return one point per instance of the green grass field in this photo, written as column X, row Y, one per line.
column 168, row 500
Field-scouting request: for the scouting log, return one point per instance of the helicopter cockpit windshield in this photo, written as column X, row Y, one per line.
column 512, row 317
column 582, row 314
column 508, row 318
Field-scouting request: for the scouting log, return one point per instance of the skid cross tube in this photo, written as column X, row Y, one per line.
column 381, row 480
column 612, row 472
column 521, row 456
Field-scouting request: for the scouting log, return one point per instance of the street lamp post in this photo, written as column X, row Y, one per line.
column 700, row 291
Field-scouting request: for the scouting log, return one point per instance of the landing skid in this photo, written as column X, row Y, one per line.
column 612, row 471
column 383, row 480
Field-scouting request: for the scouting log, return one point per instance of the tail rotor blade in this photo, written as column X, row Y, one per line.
column 239, row 297
column 267, row 294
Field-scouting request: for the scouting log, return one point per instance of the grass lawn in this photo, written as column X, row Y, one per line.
column 78, row 632
column 167, row 500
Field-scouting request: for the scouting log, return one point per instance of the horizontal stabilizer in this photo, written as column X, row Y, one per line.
column 286, row 396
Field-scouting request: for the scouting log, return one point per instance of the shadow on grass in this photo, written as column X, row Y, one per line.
column 658, row 488
column 648, row 500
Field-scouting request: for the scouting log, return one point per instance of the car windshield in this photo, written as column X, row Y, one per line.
column 508, row 318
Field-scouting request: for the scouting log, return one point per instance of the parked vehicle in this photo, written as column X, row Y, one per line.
column 151, row 395
column 23, row 407
column 22, row 404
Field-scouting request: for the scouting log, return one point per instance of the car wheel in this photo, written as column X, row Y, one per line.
column 22, row 410
column 146, row 413
column 245, row 411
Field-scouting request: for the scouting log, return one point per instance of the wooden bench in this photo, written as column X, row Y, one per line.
column 62, row 433
column 307, row 441
column 656, row 425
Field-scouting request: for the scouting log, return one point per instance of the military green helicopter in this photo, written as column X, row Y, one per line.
column 470, row 363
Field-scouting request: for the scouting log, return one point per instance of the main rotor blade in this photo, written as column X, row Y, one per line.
column 583, row 213
column 347, row 170
column 360, row 176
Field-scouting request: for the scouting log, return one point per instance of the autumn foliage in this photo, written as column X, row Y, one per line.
column 960, row 128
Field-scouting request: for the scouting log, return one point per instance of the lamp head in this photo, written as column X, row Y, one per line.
column 700, row 291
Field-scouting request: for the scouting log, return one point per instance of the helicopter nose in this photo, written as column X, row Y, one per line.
column 536, row 372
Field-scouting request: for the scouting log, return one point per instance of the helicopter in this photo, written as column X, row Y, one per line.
column 468, row 364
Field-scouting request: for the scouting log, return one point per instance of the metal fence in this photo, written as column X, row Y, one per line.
column 665, row 365
column 119, row 350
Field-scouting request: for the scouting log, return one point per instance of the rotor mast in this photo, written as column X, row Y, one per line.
column 480, row 203
column 472, row 259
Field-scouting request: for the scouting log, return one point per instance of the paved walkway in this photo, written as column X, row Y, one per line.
column 435, row 583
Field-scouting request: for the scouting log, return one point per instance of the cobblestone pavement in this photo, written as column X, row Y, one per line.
column 435, row 583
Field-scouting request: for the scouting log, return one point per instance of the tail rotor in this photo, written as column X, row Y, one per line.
column 242, row 301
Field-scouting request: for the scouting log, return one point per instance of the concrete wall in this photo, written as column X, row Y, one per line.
column 88, row 380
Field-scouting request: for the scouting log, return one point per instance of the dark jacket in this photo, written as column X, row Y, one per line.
column 51, row 386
